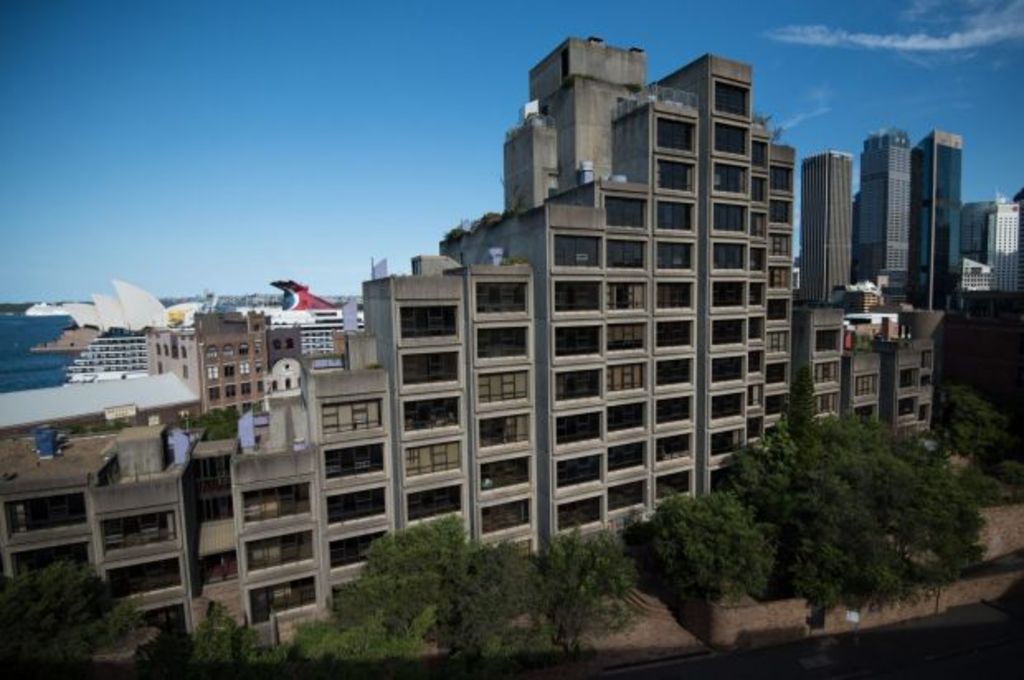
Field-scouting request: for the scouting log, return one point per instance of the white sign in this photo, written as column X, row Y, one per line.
column 852, row 616
column 119, row 412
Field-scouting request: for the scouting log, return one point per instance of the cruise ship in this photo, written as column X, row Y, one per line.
column 317, row 319
column 46, row 309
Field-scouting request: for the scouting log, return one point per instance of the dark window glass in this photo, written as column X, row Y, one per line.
column 754, row 361
column 577, row 251
column 280, row 501
column 505, row 516
column 675, row 446
column 281, row 597
column 775, row 373
column 674, row 255
column 730, row 217
column 492, row 298
column 625, row 416
column 504, row 473
column 625, row 495
column 625, row 336
column 755, row 327
column 774, row 404
column 672, row 371
column 577, row 384
column 674, row 134
column 425, row 460
column 496, row 343
column 673, row 334
column 625, row 456
column 778, row 211
column 676, row 176
column 670, row 485
column 279, row 550
column 826, row 341
column 578, row 513
column 624, row 212
column 758, row 189
column 782, row 178
column 755, row 294
column 357, row 505
column 352, row 550
column 757, row 259
column 730, row 99
column 627, row 296
column 726, row 442
column 758, row 224
column 730, row 139
column 672, row 409
column 625, row 254
column 434, row 502
column 428, row 322
column 33, row 560
column 429, row 368
column 778, row 310
column 492, row 387
column 727, row 293
column 576, row 340
column 577, row 296
column 678, row 216
column 578, row 471
column 727, row 331
column 576, row 428
column 427, row 414
column 504, row 430
column 354, row 460
column 729, row 256
column 726, row 368
column 727, row 405
column 759, row 154
column 142, row 578
column 673, row 296
column 126, row 532
column 45, row 513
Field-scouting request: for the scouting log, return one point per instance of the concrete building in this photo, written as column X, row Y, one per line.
column 884, row 209
column 859, row 381
column 983, row 345
column 825, row 224
column 905, row 383
column 975, row 276
column 1003, row 242
column 934, row 253
column 818, row 344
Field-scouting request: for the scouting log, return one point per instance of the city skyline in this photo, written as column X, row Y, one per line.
column 135, row 132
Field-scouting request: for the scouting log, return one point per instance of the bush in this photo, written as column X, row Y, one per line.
column 980, row 487
column 1011, row 472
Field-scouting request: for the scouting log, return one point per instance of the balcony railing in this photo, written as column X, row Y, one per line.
column 656, row 93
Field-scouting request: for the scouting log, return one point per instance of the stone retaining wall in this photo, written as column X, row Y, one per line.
column 1003, row 531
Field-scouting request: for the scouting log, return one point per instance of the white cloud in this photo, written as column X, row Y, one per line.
column 798, row 118
column 818, row 103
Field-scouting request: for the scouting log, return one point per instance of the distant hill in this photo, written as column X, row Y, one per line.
column 14, row 307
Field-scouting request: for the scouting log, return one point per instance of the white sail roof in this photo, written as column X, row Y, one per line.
column 139, row 308
column 83, row 314
column 109, row 311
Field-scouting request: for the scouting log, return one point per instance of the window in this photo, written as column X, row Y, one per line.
column 778, row 277
column 229, row 391
column 826, row 403
column 577, row 384
column 676, row 216
column 775, row 373
column 427, row 414
column 674, row 134
column 726, row 442
column 577, row 296
column 279, row 550
column 578, row 471
column 758, row 224
column 505, row 516
column 671, row 485
column 625, row 495
column 782, row 178
column 724, row 369
column 504, row 430
column 498, row 343
column 754, row 361
column 212, row 372
column 672, row 372
column 673, row 334
column 578, row 513
column 354, row 460
column 493, row 387
column 625, row 417
column 504, row 473
column 34, row 514
column 352, row 550
column 280, row 501
column 778, row 341
column 247, row 388
column 774, row 404
column 357, row 415
column 418, row 369
column 498, row 298
column 243, row 349
column 672, row 447
column 434, row 502
column 727, row 293
column 243, row 368
column 730, row 99
column 211, row 352
column 755, row 328
column 142, row 578
column 626, row 296
column 758, row 190
column 227, row 351
column 428, row 322
column 727, row 405
column 577, row 251
column 356, row 505
column 729, row 256
column 625, row 254
column 625, row 456
column 672, row 409
column 759, row 154
column 126, row 532
column 33, row 560
column 625, row 336
column 673, row 296
column 730, row 178
column 926, row 359
column 577, row 428
column 424, row 460
column 625, row 377
column 730, row 139
column 755, row 395
column 281, row 597
column 755, row 294
column 865, row 385
column 778, row 211
column 780, row 246
column 727, row 332
column 675, row 176
column 577, row 340
column 729, row 217
column 778, row 310
column 908, row 377
column 906, row 406
column 826, row 341
column 673, row 255
column 625, row 212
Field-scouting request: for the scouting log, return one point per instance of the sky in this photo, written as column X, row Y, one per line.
column 186, row 146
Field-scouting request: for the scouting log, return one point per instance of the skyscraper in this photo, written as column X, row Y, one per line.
column 825, row 217
column 934, row 253
column 974, row 219
column 884, row 208
column 1003, row 233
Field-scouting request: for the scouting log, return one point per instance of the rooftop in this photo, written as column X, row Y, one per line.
column 81, row 457
column 215, row 447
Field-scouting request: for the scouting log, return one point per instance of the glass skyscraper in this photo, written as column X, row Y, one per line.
column 935, row 220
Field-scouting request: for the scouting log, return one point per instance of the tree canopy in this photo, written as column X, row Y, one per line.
column 972, row 426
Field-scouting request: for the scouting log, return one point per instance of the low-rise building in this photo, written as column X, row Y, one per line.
column 860, row 379
column 905, row 383
column 818, row 344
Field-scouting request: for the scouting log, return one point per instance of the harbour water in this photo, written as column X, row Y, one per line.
column 20, row 369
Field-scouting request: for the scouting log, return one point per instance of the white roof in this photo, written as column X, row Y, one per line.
column 52, row 404
column 110, row 312
column 139, row 307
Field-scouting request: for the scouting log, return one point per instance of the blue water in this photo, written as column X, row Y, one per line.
column 19, row 368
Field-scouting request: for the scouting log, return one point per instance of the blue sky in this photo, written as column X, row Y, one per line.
column 184, row 146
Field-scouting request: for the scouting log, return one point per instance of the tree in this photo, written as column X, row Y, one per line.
column 800, row 412
column 971, row 426
column 220, row 423
column 710, row 547
column 583, row 584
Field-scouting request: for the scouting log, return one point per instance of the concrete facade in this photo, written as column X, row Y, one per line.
column 818, row 344
column 884, row 209
column 859, row 382
column 905, row 383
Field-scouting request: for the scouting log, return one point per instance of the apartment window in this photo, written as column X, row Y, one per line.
column 577, row 296
column 505, row 516
column 675, row 216
column 727, row 405
column 908, row 377
column 424, row 460
column 674, row 134
column 906, row 406
column 672, row 447
column 758, row 260
column 281, row 597
column 724, row 369
column 243, row 368
column 279, row 550
column 498, row 343
column 730, row 139
column 578, row 471
column 352, row 550
column 673, row 296
column 625, row 377
column 494, row 387
column 672, row 485
column 229, row 370
column 418, row 369
column 729, row 256
column 926, row 359
column 864, row 385
column 434, row 502
column 211, row 352
column 826, row 341
column 280, row 501
column 577, row 384
column 755, row 427
column 625, row 336
column 356, row 505
column 625, row 495
column 673, row 334
column 212, row 372
column 625, row 212
column 726, row 442
column 758, row 190
column 622, row 296
column 500, row 298
column 142, row 578
column 727, row 332
column 758, row 224
column 673, row 255
column 577, row 251
column 864, row 412
column 778, row 341
column 759, row 154
column 349, row 417
column 774, row 404
column 625, row 456
column 428, row 322
column 577, row 340
column 671, row 410
column 775, row 373
column 578, row 513
column 427, row 414
column 502, row 473
column 675, row 176
column 826, row 403
column 778, row 310
column 35, row 514
column 247, row 388
column 625, row 254
column 727, row 293
column 754, row 361
column 730, row 99
column 229, row 391
column 755, row 328
column 730, row 178
column 755, row 294
column 625, row 417
column 780, row 246
column 227, row 351
column 782, row 178
column 504, row 430
column 672, row 372
column 127, row 532
column 778, row 277
column 577, row 428
column 34, row 560
column 778, row 211
column 354, row 460
column 755, row 395
column 729, row 217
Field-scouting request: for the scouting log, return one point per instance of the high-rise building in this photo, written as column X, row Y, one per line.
column 1018, row 198
column 825, row 224
column 884, row 209
column 1003, row 245
column 974, row 224
column 855, row 240
column 934, row 253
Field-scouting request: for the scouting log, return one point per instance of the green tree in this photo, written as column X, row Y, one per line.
column 800, row 412
column 972, row 426
column 220, row 423
column 583, row 585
